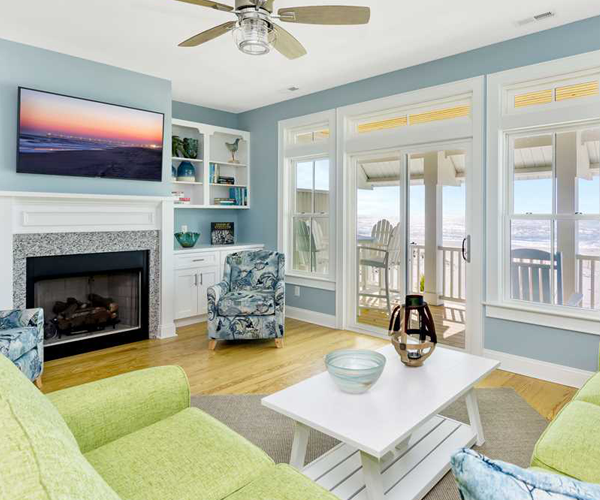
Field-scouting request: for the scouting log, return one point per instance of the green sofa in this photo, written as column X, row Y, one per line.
column 570, row 445
column 129, row 437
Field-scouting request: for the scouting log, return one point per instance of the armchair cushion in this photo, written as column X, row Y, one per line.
column 257, row 270
column 189, row 455
column 247, row 303
column 17, row 341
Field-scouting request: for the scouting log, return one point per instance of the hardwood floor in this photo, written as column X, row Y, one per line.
column 257, row 367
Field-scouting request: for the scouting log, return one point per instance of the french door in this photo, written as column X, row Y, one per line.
column 410, row 232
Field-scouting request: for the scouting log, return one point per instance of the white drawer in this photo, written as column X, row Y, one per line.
column 200, row 259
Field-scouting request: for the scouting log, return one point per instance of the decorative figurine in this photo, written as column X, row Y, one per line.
column 190, row 148
column 413, row 354
column 233, row 147
column 177, row 147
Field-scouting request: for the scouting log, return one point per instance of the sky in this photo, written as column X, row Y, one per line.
column 43, row 113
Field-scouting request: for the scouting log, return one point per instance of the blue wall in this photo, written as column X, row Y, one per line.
column 261, row 220
column 26, row 66
column 194, row 113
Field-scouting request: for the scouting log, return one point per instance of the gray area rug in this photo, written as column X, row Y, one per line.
column 510, row 425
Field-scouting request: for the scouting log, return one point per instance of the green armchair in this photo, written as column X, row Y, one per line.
column 130, row 437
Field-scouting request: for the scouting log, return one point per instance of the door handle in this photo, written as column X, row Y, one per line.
column 466, row 248
column 201, row 279
column 195, row 280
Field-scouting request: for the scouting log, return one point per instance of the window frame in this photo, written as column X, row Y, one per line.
column 503, row 125
column 291, row 153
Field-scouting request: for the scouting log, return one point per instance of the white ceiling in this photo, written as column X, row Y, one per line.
column 142, row 35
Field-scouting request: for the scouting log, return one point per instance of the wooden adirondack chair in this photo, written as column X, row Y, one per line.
column 382, row 258
column 531, row 277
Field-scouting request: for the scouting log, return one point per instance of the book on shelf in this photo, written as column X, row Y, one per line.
column 213, row 173
column 225, row 180
column 224, row 201
column 240, row 195
column 222, row 233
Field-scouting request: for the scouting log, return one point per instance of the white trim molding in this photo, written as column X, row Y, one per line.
column 34, row 213
column 504, row 121
column 464, row 132
column 317, row 318
column 288, row 153
column 551, row 372
column 321, row 284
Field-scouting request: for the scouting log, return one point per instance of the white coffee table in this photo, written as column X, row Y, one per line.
column 394, row 445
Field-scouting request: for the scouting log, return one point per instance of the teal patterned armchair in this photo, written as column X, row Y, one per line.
column 250, row 301
column 22, row 340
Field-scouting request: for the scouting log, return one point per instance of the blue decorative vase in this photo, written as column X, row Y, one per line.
column 186, row 172
column 173, row 173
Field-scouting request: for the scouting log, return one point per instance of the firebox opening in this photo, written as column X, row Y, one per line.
column 90, row 301
column 89, row 306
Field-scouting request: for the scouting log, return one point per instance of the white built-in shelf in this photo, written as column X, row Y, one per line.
column 212, row 143
column 178, row 158
column 217, row 207
column 229, row 164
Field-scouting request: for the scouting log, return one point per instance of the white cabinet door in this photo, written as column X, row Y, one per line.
column 206, row 277
column 186, row 293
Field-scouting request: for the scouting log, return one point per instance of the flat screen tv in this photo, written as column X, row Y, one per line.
column 62, row 135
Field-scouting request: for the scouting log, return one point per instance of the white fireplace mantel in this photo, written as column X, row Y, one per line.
column 33, row 212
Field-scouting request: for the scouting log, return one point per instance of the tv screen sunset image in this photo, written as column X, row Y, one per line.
column 62, row 135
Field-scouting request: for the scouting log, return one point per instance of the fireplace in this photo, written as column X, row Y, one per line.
column 90, row 301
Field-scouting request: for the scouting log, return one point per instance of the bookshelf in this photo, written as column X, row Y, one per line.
column 220, row 182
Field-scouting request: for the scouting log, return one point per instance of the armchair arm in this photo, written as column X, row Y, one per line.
column 215, row 293
column 280, row 292
column 20, row 318
column 101, row 412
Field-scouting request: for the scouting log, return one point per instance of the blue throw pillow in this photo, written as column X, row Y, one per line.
column 480, row 478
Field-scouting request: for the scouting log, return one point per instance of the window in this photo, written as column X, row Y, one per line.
column 310, row 218
column 307, row 192
column 543, row 194
column 554, row 219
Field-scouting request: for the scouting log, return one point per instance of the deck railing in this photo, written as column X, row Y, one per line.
column 454, row 277
column 588, row 269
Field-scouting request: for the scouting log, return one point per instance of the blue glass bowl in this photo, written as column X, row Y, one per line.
column 355, row 371
column 187, row 240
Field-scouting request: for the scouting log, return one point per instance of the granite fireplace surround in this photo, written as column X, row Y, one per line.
column 49, row 244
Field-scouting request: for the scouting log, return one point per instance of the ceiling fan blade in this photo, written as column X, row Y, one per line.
column 326, row 14
column 286, row 44
column 209, row 4
column 208, row 35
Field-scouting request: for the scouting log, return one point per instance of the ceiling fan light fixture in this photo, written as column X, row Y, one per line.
column 253, row 36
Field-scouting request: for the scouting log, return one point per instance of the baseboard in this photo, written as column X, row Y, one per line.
column 190, row 321
column 314, row 317
column 559, row 374
column 167, row 331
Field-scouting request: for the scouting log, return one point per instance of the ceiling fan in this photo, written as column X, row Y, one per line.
column 255, row 32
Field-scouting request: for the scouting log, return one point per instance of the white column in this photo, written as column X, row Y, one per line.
column 566, row 232
column 166, row 328
column 6, row 253
column 433, row 230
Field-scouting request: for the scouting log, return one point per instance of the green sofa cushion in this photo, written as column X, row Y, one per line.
column 39, row 456
column 282, row 482
column 570, row 445
column 189, row 455
column 590, row 392
column 103, row 411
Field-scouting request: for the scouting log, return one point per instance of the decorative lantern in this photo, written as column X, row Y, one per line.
column 413, row 354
